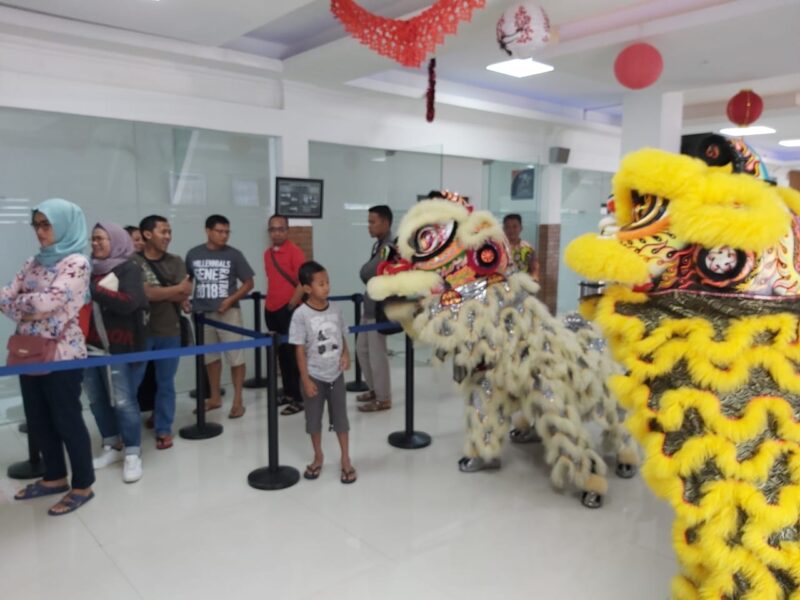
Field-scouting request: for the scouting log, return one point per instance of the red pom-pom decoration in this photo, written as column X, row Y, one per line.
column 638, row 66
column 745, row 108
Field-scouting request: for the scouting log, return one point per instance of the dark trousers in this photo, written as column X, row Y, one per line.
column 278, row 321
column 55, row 420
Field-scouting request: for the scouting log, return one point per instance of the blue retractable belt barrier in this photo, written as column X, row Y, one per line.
column 373, row 327
column 118, row 359
column 201, row 318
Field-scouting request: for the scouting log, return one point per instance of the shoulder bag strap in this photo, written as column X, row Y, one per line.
column 161, row 280
column 282, row 273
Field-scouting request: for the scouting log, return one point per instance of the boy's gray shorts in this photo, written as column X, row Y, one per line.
column 334, row 392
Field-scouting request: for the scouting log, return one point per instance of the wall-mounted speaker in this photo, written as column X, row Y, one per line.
column 559, row 156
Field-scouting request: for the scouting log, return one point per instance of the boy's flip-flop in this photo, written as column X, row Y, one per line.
column 348, row 476
column 71, row 502
column 38, row 489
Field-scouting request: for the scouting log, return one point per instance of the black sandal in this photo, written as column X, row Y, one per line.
column 348, row 475
column 312, row 472
column 293, row 408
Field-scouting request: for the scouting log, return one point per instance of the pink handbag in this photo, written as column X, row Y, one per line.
column 30, row 349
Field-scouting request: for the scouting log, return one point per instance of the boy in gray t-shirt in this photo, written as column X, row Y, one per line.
column 319, row 335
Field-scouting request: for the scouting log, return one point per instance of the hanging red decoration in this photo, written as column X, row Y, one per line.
column 745, row 108
column 407, row 41
column 638, row 66
column 430, row 96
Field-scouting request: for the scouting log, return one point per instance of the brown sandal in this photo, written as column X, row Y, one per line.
column 375, row 406
column 163, row 442
column 235, row 414
column 366, row 396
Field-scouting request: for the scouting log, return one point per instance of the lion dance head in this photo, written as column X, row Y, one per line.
column 702, row 275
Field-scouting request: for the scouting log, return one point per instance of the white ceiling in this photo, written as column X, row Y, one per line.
column 711, row 48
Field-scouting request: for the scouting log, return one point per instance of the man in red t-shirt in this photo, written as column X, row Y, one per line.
column 282, row 262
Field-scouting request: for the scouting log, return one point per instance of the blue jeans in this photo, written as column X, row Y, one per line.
column 165, row 383
column 123, row 420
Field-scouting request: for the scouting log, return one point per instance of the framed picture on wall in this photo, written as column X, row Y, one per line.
column 522, row 184
column 298, row 198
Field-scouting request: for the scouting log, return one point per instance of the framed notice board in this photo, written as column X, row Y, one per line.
column 298, row 198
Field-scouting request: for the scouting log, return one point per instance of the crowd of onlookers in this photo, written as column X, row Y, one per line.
column 132, row 295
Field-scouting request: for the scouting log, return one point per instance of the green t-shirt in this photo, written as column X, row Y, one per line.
column 164, row 319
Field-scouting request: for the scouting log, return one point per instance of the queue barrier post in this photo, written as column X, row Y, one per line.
column 409, row 439
column 358, row 384
column 274, row 476
column 259, row 381
column 31, row 468
column 201, row 430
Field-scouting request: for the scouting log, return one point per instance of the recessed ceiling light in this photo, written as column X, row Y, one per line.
column 790, row 143
column 520, row 67
column 752, row 130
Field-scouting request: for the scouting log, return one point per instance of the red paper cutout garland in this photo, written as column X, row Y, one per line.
column 407, row 42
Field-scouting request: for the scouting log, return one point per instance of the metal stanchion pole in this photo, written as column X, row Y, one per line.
column 31, row 468
column 358, row 384
column 258, row 381
column 201, row 430
column 409, row 439
column 274, row 476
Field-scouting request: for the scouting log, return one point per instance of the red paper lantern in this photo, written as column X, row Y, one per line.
column 745, row 108
column 638, row 66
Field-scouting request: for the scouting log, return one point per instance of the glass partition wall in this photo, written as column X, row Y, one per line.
column 512, row 187
column 583, row 195
column 121, row 171
column 355, row 179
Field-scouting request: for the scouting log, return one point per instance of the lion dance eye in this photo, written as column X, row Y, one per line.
column 432, row 238
column 647, row 209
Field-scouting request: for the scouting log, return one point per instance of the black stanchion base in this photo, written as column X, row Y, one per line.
column 23, row 428
column 256, row 382
column 26, row 470
column 273, row 479
column 193, row 393
column 412, row 441
column 193, row 432
column 357, row 386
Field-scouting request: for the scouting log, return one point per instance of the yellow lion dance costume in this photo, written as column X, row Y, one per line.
column 454, row 288
column 702, row 310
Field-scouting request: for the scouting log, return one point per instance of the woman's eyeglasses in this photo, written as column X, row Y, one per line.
column 43, row 225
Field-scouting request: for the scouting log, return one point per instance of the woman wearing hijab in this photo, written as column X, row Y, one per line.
column 117, row 327
column 45, row 299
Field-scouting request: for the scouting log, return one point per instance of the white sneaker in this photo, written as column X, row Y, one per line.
column 132, row 469
column 108, row 456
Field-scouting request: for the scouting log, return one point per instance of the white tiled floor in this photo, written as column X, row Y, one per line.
column 411, row 527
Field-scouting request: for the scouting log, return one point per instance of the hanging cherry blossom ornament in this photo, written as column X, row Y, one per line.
column 407, row 41
column 523, row 29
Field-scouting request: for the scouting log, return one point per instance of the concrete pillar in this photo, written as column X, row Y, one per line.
column 652, row 119
column 549, row 238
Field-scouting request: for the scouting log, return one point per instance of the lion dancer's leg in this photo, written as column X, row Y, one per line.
column 568, row 447
column 488, row 415
column 616, row 439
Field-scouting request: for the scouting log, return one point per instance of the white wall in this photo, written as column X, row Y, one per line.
column 66, row 78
